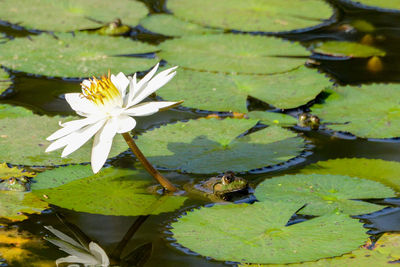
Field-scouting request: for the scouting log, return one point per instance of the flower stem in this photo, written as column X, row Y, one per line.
column 146, row 164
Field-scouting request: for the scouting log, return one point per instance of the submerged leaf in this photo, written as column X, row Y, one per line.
column 253, row 15
column 78, row 55
column 240, row 53
column 70, row 15
column 260, row 234
column 348, row 49
column 213, row 146
column 324, row 193
column 13, row 205
column 5, row 81
column 370, row 111
column 110, row 192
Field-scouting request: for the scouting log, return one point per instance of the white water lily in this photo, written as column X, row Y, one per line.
column 108, row 105
column 94, row 255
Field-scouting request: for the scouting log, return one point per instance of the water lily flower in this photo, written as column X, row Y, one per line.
column 94, row 255
column 108, row 106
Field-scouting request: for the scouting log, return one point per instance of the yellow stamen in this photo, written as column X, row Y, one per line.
column 100, row 91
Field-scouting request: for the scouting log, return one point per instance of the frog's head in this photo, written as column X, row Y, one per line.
column 228, row 177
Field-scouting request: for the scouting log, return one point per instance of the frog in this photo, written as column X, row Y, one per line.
column 14, row 184
column 113, row 28
column 220, row 188
column 309, row 120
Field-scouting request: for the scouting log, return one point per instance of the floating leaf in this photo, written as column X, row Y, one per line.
column 110, row 192
column 348, row 49
column 79, row 55
column 234, row 53
column 253, row 15
column 172, row 26
column 370, row 111
column 213, row 145
column 9, row 111
column 260, row 234
column 386, row 4
column 220, row 92
column 13, row 205
column 324, row 193
column 271, row 118
column 5, row 81
column 23, row 141
column 386, row 172
column 383, row 253
column 7, row 172
column 70, row 15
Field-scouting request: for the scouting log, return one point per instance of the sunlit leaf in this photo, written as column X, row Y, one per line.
column 13, row 205
column 5, row 81
column 386, row 4
column 23, row 141
column 253, row 15
column 234, row 53
column 110, row 192
column 9, row 111
column 348, row 49
column 272, row 118
column 172, row 26
column 213, row 145
column 258, row 233
column 386, row 172
column 7, row 172
column 324, row 193
column 70, row 15
column 370, row 111
column 221, row 92
column 78, row 55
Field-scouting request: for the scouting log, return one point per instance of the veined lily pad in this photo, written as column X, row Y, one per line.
column 385, row 4
column 386, row 172
column 213, row 145
column 348, row 49
column 13, row 205
column 253, row 15
column 9, row 111
column 110, row 192
column 385, row 252
column 260, row 233
column 172, row 26
column 82, row 55
column 70, row 15
column 370, row 111
column 271, row 118
column 23, row 141
column 324, row 193
column 221, row 92
column 234, row 53
column 7, row 172
column 5, row 81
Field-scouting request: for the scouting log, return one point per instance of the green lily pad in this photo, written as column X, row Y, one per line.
column 213, row 146
column 9, row 111
column 272, row 118
column 260, row 233
column 348, row 49
column 386, row 4
column 221, row 92
column 70, row 15
column 385, row 252
column 5, row 81
column 172, row 26
column 324, row 193
column 82, row 55
column 234, row 53
column 370, row 111
column 112, row 191
column 385, row 172
column 7, row 172
column 23, row 141
column 253, row 15
column 13, row 205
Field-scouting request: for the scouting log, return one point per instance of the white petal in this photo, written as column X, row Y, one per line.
column 156, row 83
column 148, row 108
column 121, row 82
column 64, row 237
column 125, row 123
column 99, row 253
column 132, row 90
column 80, row 137
column 102, row 144
column 72, row 126
column 62, row 142
column 69, row 259
column 86, row 83
column 148, row 76
column 81, row 104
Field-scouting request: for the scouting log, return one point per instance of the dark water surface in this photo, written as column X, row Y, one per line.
column 45, row 96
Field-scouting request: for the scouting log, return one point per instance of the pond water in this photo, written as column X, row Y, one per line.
column 45, row 96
